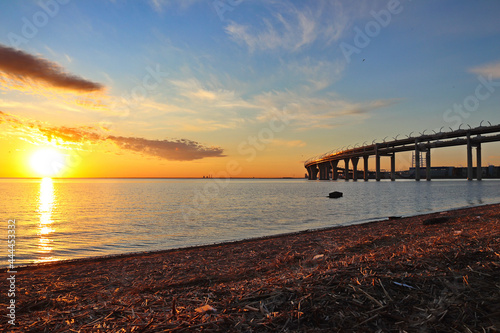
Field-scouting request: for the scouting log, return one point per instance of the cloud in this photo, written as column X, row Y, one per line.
column 315, row 75
column 291, row 28
column 176, row 150
column 75, row 137
column 307, row 112
column 289, row 143
column 283, row 34
column 208, row 94
column 492, row 69
column 160, row 5
column 206, row 106
column 213, row 107
column 23, row 67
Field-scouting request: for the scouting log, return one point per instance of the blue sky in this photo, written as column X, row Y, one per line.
column 267, row 82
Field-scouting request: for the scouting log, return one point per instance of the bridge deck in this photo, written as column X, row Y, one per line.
column 472, row 137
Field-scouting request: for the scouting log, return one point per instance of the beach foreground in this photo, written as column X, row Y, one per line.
column 437, row 272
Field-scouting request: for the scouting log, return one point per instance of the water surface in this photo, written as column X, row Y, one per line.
column 75, row 218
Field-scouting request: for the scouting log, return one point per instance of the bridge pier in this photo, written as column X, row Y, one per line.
column 355, row 161
column 417, row 161
column 312, row 172
column 346, row 170
column 377, row 164
column 479, row 172
column 335, row 172
column 470, row 172
column 324, row 171
column 365, row 167
column 428, row 164
column 393, row 167
column 377, row 168
column 470, row 166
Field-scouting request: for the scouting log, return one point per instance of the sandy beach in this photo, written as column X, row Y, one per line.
column 437, row 272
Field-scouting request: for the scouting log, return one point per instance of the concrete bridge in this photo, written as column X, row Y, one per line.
column 328, row 163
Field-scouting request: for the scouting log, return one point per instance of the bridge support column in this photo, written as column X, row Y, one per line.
column 428, row 164
column 479, row 168
column 393, row 167
column 324, row 171
column 377, row 164
column 313, row 172
column 417, row 162
column 365, row 167
column 470, row 172
column 335, row 173
column 355, row 161
column 346, row 170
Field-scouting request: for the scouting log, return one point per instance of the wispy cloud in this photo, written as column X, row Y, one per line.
column 76, row 137
column 290, row 27
column 23, row 67
column 206, row 106
column 492, row 69
column 315, row 75
column 289, row 143
column 306, row 112
column 160, row 5
column 208, row 94
column 210, row 106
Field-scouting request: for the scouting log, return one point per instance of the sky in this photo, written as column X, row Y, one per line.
column 237, row 88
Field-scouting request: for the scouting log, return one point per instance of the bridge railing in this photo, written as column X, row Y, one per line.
column 409, row 140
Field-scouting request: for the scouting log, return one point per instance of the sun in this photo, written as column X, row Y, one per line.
column 47, row 162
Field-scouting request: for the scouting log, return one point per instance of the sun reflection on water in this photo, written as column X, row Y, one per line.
column 45, row 207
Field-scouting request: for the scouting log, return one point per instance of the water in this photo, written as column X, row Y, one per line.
column 76, row 218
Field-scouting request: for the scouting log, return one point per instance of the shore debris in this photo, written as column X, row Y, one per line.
column 403, row 285
column 318, row 257
column 205, row 308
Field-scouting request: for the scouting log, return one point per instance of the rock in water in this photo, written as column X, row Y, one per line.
column 335, row 194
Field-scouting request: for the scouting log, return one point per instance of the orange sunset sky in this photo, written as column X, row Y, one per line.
column 241, row 88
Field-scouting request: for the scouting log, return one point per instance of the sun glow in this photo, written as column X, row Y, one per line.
column 47, row 162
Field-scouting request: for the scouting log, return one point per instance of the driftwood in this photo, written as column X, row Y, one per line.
column 389, row 276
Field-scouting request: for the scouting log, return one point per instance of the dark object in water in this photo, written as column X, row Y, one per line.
column 335, row 194
column 436, row 220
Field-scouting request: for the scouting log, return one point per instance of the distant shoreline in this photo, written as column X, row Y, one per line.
column 238, row 178
column 298, row 178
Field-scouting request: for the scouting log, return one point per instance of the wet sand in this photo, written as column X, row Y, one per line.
column 437, row 272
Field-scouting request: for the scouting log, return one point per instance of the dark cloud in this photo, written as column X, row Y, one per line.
column 177, row 150
column 24, row 66
column 174, row 150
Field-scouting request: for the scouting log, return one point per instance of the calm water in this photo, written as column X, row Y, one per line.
column 65, row 219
